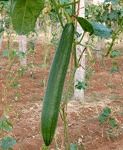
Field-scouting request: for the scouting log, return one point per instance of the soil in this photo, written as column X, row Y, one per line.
column 22, row 103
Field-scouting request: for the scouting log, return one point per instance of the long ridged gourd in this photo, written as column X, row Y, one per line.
column 52, row 98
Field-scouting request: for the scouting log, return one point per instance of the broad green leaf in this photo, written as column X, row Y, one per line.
column 24, row 14
column 101, row 30
column 86, row 25
column 7, row 143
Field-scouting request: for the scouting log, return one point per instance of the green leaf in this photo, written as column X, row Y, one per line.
column 102, row 119
column 73, row 146
column 106, row 111
column 101, row 30
column 112, row 122
column 24, row 14
column 5, row 124
column 104, row 115
column 86, row 25
column 115, row 53
column 81, row 85
column 7, row 142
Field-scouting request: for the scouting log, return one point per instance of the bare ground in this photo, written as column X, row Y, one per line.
column 24, row 105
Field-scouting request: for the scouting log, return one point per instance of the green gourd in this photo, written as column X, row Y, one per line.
column 52, row 98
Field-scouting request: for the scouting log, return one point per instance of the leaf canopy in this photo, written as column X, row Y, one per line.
column 24, row 14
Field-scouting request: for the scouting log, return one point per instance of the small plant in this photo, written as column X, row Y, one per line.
column 5, row 124
column 105, row 117
column 7, row 142
column 81, row 85
column 108, row 121
column 115, row 53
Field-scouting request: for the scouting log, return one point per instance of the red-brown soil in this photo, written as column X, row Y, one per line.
column 23, row 105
